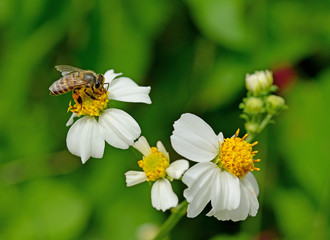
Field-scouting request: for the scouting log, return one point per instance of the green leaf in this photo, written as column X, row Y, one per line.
column 222, row 21
column 222, row 85
column 126, row 39
column 303, row 131
column 296, row 215
column 43, row 210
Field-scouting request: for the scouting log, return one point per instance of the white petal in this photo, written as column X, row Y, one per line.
column 196, row 172
column 248, row 204
column 251, row 195
column 110, row 75
column 199, row 182
column 85, row 140
column 217, row 196
column 162, row 149
column 231, row 184
column 142, row 146
column 119, row 129
column 135, row 177
column 177, row 168
column 249, row 176
column 70, row 121
column 126, row 90
column 238, row 214
column 226, row 192
column 162, row 195
column 221, row 138
column 194, row 139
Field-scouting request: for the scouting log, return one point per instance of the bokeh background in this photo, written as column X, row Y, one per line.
column 194, row 54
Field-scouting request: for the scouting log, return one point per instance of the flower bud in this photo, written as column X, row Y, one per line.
column 251, row 127
column 275, row 104
column 259, row 82
column 253, row 105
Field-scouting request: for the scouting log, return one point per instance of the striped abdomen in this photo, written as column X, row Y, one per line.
column 66, row 84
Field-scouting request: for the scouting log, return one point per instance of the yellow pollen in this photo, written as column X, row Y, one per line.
column 154, row 165
column 88, row 102
column 236, row 156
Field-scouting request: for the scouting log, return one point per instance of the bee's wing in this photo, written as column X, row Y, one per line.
column 72, row 82
column 66, row 69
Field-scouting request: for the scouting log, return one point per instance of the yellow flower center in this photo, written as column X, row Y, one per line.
column 154, row 165
column 236, row 156
column 89, row 102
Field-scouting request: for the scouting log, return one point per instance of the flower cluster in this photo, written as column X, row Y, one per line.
column 222, row 170
column 261, row 104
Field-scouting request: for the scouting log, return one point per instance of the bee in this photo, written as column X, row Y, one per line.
column 75, row 78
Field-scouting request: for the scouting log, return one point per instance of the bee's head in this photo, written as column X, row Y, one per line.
column 100, row 81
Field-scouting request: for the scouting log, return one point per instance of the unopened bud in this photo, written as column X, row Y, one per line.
column 251, row 127
column 275, row 104
column 259, row 82
column 253, row 105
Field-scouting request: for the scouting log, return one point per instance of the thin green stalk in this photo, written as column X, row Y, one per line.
column 265, row 122
column 170, row 223
column 261, row 127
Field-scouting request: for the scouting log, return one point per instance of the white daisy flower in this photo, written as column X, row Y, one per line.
column 86, row 137
column 222, row 173
column 157, row 168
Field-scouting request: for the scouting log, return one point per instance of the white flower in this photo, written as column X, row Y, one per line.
column 222, row 174
column 156, row 168
column 86, row 137
column 259, row 81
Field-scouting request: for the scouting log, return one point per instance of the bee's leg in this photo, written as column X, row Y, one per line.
column 76, row 97
column 79, row 100
column 91, row 96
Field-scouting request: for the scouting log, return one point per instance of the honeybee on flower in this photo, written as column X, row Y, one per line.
column 75, row 78
column 98, row 123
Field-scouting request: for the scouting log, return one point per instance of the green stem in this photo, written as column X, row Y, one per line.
column 261, row 127
column 265, row 122
column 170, row 223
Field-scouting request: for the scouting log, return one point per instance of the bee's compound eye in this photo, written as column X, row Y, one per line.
column 99, row 81
column 97, row 84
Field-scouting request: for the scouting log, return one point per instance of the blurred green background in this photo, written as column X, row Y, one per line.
column 194, row 54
